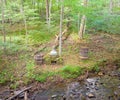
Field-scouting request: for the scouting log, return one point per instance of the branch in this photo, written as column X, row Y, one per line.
column 19, row 93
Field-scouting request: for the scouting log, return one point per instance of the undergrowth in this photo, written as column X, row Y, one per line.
column 70, row 71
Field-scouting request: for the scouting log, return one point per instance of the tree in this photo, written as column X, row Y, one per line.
column 3, row 22
column 60, row 34
column 111, row 6
column 47, row 12
column 83, row 22
column 49, row 19
column 24, row 19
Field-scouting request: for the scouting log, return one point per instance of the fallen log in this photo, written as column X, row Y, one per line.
column 57, row 38
column 14, row 96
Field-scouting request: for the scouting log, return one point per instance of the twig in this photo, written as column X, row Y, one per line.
column 19, row 93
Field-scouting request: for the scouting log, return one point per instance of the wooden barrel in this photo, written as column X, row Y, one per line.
column 39, row 59
column 84, row 53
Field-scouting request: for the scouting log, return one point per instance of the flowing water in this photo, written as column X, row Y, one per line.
column 106, row 87
column 95, row 88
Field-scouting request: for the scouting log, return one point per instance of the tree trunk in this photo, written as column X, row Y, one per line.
column 47, row 12
column 3, row 20
column 111, row 6
column 85, row 2
column 50, row 5
column 60, row 34
column 78, row 24
column 83, row 22
column 82, row 27
column 118, row 3
column 25, row 22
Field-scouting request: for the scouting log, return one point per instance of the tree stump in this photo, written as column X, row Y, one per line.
column 84, row 53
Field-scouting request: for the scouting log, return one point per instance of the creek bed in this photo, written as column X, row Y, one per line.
column 106, row 87
column 95, row 88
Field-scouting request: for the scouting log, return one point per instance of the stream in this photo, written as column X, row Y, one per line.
column 95, row 88
column 105, row 87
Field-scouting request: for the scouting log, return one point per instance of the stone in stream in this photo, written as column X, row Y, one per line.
column 90, row 95
column 73, row 92
column 42, row 98
column 53, row 96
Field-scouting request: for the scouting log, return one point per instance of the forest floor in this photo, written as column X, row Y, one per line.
column 104, row 54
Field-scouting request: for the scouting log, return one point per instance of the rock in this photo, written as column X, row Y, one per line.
column 100, row 74
column 64, row 97
column 88, row 88
column 90, row 95
column 90, row 80
column 96, row 88
column 53, row 96
column 115, row 93
column 42, row 98
column 119, row 87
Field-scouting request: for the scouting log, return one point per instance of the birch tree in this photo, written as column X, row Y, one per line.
column 60, row 34
column 49, row 18
column 111, row 6
column 47, row 12
column 83, row 22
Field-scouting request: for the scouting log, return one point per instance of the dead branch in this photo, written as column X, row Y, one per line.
column 19, row 93
column 57, row 38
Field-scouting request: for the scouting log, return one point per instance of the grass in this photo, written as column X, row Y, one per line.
column 70, row 71
column 6, row 76
column 72, row 67
column 42, row 77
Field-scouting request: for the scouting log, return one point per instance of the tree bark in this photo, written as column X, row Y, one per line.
column 49, row 22
column 60, row 34
column 3, row 22
column 82, row 27
column 24, row 19
column 83, row 22
column 111, row 6
column 47, row 12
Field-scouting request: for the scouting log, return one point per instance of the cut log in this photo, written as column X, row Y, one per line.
column 14, row 96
